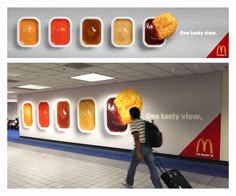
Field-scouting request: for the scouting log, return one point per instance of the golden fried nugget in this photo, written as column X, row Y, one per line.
column 165, row 25
column 125, row 100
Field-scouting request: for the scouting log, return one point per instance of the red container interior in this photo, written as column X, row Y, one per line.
column 91, row 32
column 113, row 117
column 150, row 34
column 43, row 110
column 60, row 32
column 63, row 114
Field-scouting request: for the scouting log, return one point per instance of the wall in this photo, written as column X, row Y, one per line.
column 12, row 110
column 181, row 106
column 225, row 118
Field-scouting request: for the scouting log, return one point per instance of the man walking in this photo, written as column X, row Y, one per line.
column 141, row 151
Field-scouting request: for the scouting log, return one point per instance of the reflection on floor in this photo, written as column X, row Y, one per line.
column 39, row 167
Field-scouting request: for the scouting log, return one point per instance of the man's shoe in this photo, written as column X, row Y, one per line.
column 123, row 181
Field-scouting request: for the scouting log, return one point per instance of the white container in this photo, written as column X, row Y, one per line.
column 113, row 32
column 91, row 32
column 50, row 32
column 144, row 34
column 28, row 32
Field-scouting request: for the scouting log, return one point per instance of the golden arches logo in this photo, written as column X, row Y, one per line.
column 221, row 50
column 204, row 145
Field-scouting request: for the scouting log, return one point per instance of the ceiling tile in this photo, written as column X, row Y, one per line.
column 199, row 68
column 46, row 65
column 220, row 66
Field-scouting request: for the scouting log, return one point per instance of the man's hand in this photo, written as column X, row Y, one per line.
column 139, row 157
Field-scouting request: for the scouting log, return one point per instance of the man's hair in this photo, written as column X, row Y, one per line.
column 134, row 112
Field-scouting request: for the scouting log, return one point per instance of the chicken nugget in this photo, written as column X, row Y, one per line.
column 165, row 25
column 125, row 100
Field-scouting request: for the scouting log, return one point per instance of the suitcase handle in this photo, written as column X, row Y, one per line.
column 160, row 165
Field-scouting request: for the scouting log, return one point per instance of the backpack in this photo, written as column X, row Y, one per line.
column 153, row 135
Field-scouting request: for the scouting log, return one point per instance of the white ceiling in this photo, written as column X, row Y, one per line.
column 57, row 75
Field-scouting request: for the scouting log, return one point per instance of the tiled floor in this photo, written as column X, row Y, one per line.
column 36, row 167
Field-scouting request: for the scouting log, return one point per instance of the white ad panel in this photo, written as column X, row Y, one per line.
column 182, row 107
column 194, row 33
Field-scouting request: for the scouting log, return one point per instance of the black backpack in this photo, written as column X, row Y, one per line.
column 153, row 135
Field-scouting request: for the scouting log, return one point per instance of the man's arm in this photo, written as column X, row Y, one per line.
column 137, row 146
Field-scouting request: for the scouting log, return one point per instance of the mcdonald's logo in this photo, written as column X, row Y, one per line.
column 221, row 50
column 204, row 145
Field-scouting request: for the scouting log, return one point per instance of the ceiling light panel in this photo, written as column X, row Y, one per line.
column 93, row 77
column 35, row 87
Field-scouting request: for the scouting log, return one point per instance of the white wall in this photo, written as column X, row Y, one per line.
column 198, row 95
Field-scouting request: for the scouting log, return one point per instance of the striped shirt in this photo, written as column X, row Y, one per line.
column 138, row 125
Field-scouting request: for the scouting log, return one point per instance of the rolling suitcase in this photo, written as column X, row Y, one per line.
column 172, row 178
